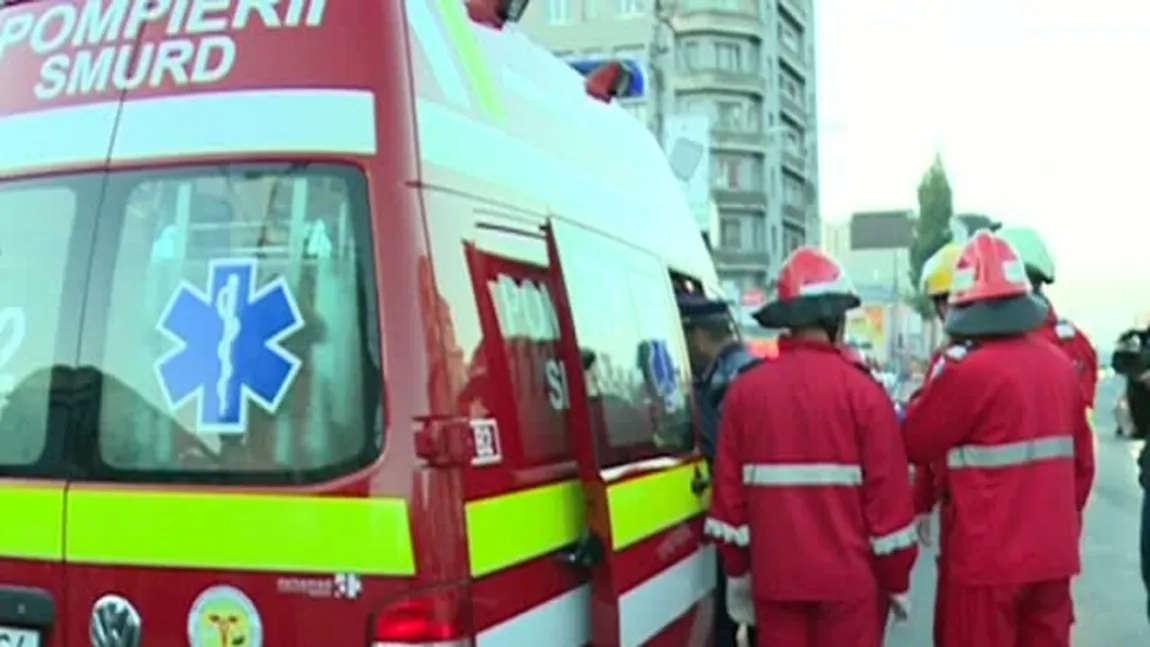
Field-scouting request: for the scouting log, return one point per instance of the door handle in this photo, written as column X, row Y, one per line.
column 700, row 482
column 587, row 552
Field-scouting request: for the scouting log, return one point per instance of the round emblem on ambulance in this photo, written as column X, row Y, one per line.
column 114, row 623
column 223, row 616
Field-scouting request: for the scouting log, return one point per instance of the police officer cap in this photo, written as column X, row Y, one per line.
column 697, row 308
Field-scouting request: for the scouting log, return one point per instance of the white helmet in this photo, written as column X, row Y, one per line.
column 1033, row 252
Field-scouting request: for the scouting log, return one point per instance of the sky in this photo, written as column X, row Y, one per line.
column 1039, row 108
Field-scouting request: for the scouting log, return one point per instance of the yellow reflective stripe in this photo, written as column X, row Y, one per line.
column 645, row 506
column 32, row 522
column 1090, row 418
column 508, row 529
column 462, row 35
column 365, row 536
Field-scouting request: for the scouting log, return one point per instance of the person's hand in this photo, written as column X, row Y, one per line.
column 922, row 528
column 740, row 605
column 900, row 607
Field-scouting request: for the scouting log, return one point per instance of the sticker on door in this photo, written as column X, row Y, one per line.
column 223, row 616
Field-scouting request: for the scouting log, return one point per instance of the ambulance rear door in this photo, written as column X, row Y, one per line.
column 629, row 383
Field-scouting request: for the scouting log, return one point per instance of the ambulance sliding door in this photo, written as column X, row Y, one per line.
column 651, row 575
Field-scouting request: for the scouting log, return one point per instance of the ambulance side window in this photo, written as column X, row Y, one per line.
column 242, row 330
column 624, row 311
column 36, row 224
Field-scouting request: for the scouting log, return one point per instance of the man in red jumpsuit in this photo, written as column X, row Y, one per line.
column 1039, row 264
column 812, row 504
column 1004, row 410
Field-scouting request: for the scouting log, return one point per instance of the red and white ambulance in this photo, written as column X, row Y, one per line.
column 338, row 323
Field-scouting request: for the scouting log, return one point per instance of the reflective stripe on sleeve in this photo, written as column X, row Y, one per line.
column 723, row 531
column 897, row 540
column 1010, row 454
column 784, row 474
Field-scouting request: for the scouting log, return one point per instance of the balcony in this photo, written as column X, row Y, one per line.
column 739, row 198
column 795, row 161
column 795, row 216
column 793, row 58
column 793, row 109
column 798, row 10
column 697, row 18
column 697, row 80
column 726, row 256
column 727, row 138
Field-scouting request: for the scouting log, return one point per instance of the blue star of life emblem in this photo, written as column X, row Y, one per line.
column 227, row 345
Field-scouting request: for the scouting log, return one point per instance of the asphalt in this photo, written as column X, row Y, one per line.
column 1110, row 602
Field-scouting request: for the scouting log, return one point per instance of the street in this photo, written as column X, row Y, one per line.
column 1110, row 602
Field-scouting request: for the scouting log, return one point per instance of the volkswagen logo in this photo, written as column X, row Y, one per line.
column 115, row 623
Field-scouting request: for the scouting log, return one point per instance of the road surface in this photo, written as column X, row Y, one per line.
column 1109, row 599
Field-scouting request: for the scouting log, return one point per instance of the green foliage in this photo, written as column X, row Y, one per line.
column 932, row 229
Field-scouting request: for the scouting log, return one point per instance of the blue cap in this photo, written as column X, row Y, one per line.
column 696, row 307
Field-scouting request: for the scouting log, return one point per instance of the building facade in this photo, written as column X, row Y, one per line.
column 746, row 65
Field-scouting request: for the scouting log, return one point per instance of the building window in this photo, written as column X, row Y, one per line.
column 558, row 12
column 728, row 57
column 758, row 232
column 689, row 55
column 590, row 10
column 774, row 249
column 637, row 109
column 791, row 38
column 730, row 233
column 734, row 171
column 792, row 88
column 629, row 8
column 794, row 191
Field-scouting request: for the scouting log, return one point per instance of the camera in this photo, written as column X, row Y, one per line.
column 1132, row 354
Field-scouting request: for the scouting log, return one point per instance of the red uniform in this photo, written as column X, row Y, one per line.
column 1075, row 344
column 811, row 490
column 1005, row 415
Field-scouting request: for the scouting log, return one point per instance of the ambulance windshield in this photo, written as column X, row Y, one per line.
column 229, row 313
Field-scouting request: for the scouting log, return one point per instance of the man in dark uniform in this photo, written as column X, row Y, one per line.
column 717, row 356
column 1130, row 360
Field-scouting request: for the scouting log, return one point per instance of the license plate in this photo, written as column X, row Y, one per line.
column 10, row 637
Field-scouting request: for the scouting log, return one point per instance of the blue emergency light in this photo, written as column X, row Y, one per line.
column 635, row 89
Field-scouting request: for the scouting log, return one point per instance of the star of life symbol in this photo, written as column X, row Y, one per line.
column 227, row 345
column 347, row 586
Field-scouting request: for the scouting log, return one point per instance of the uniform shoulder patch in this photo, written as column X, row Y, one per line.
column 1065, row 330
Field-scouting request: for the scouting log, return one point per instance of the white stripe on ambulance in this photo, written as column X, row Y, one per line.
column 209, row 124
column 644, row 611
column 90, row 47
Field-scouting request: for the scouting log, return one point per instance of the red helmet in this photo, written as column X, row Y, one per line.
column 988, row 268
column 990, row 294
column 812, row 288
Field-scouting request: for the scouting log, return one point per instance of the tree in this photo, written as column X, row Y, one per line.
column 932, row 229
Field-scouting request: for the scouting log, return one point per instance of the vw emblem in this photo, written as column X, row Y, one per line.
column 115, row 623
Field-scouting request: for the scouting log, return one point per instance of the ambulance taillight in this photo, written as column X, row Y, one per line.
column 610, row 80
column 496, row 13
column 433, row 618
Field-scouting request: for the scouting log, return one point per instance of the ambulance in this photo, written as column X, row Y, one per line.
column 337, row 323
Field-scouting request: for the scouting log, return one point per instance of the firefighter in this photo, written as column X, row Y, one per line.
column 717, row 357
column 1003, row 409
column 1040, row 271
column 937, row 276
column 811, row 502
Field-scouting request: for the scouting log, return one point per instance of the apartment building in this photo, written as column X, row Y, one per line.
column 749, row 67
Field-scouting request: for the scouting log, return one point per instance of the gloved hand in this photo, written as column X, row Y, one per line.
column 900, row 607
column 922, row 527
column 740, row 604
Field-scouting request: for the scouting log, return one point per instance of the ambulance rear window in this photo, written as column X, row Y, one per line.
column 241, row 337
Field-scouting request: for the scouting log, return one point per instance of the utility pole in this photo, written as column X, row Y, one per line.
column 662, row 43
